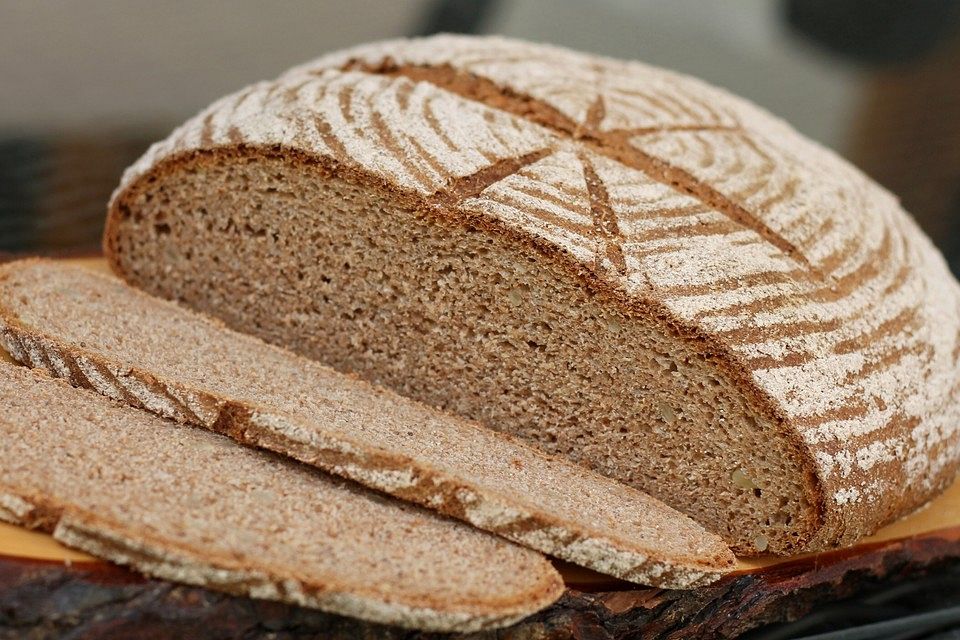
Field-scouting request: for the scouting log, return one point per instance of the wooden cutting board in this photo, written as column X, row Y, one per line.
column 760, row 589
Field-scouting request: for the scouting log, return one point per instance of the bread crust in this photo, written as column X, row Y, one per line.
column 403, row 476
column 842, row 326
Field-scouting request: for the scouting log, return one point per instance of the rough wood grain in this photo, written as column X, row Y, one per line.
column 42, row 599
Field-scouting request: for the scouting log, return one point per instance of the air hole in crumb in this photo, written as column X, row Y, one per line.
column 256, row 233
column 162, row 229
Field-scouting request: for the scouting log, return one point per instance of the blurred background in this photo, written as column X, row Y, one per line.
column 86, row 85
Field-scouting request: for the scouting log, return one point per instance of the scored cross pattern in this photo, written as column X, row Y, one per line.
column 588, row 136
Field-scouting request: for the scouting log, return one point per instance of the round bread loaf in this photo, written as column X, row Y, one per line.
column 619, row 263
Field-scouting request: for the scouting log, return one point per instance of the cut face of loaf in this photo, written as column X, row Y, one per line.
column 187, row 505
column 621, row 264
column 98, row 332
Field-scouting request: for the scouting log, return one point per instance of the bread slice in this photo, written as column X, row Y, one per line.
column 188, row 505
column 622, row 264
column 97, row 332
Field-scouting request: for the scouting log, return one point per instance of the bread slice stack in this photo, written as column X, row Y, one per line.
column 191, row 506
column 620, row 264
column 97, row 332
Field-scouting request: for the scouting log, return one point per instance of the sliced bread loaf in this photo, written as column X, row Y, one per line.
column 188, row 505
column 97, row 332
column 622, row 264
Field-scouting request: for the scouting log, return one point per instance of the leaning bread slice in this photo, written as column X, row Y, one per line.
column 188, row 505
column 100, row 333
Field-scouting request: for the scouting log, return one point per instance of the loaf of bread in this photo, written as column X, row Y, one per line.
column 188, row 505
column 619, row 263
column 97, row 332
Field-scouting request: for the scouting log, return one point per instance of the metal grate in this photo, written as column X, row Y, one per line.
column 53, row 191
column 922, row 609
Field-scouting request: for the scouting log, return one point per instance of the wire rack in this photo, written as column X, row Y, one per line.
column 53, row 191
column 924, row 608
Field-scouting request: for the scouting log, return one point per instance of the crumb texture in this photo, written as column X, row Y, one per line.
column 179, row 364
column 192, row 506
column 658, row 279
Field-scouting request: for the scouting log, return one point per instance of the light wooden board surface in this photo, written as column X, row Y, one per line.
column 941, row 514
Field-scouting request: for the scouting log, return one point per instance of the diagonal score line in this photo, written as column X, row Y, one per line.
column 604, row 218
column 593, row 118
column 613, row 144
column 460, row 189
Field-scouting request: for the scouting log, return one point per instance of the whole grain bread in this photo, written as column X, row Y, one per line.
column 97, row 332
column 191, row 506
column 622, row 264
